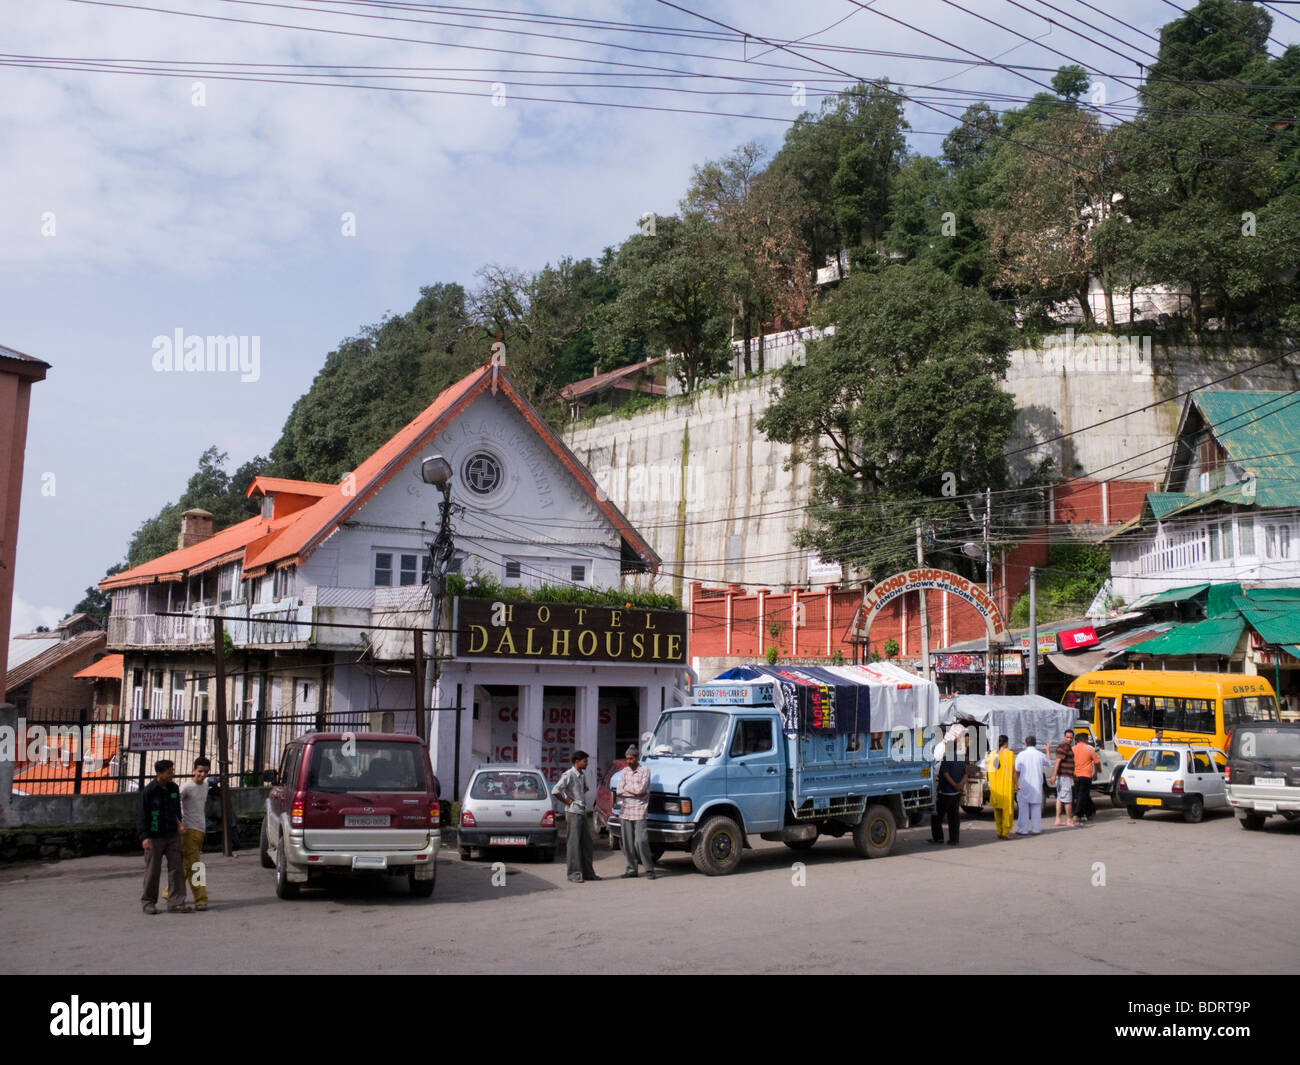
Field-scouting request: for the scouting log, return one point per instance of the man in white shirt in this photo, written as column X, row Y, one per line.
column 1030, row 767
column 194, row 826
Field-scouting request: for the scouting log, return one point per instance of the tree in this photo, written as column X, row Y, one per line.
column 904, row 392
column 757, row 220
column 1048, row 191
column 671, row 292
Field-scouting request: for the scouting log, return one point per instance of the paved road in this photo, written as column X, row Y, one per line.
column 1177, row 898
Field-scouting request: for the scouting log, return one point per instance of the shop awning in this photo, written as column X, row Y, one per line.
column 1215, row 636
column 1076, row 665
column 1173, row 595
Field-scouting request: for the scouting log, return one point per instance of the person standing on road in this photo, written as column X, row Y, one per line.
column 158, row 825
column 1086, row 764
column 1063, row 779
column 951, row 779
column 999, row 767
column 194, row 829
column 1027, row 775
column 634, row 797
column 571, row 789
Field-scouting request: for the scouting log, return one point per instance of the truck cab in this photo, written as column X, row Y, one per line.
column 726, row 768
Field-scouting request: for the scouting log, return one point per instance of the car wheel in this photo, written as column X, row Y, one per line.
column 717, row 847
column 1253, row 821
column 264, row 850
column 546, row 854
column 973, row 811
column 464, row 854
column 284, row 888
column 1137, row 812
column 1115, row 797
column 657, row 852
column 422, row 889
column 1194, row 809
column 874, row 835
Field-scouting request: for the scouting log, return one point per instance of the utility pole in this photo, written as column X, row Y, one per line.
column 988, row 587
column 1033, row 631
column 436, row 470
column 925, row 620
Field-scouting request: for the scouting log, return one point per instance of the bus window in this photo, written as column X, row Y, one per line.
column 1080, row 702
column 1199, row 716
column 1167, row 713
column 1249, row 708
column 1135, row 711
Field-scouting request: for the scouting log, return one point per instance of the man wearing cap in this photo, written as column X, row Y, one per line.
column 634, row 793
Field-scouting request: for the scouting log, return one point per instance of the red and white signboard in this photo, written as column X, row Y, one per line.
column 1073, row 638
column 156, row 735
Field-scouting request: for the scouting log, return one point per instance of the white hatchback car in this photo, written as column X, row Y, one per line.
column 1174, row 776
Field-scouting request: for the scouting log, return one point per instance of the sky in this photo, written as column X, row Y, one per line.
column 150, row 186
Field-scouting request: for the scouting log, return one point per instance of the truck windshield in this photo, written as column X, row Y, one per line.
column 689, row 734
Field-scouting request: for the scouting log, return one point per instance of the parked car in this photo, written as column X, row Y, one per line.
column 1174, row 777
column 507, row 805
column 1263, row 774
column 353, row 803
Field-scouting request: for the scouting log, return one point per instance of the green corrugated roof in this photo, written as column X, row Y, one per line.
column 1219, row 599
column 1275, row 626
column 1173, row 595
column 1260, row 431
column 1162, row 503
column 1216, row 636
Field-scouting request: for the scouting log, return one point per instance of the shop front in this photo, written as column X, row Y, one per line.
column 537, row 681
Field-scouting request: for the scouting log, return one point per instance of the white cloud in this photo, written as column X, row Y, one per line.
column 26, row 616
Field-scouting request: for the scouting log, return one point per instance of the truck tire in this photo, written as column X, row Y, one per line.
column 874, row 835
column 264, row 849
column 657, row 852
column 1252, row 821
column 421, row 889
column 717, row 847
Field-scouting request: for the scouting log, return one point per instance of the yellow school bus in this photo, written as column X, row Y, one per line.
column 1127, row 707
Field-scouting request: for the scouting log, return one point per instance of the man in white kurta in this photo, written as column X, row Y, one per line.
column 1031, row 765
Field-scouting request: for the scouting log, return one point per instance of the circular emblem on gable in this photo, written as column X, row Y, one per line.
column 482, row 473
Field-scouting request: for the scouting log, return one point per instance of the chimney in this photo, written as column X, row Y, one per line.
column 196, row 526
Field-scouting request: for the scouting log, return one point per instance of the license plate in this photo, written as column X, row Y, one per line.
column 1148, row 802
column 1266, row 807
column 507, row 841
column 1271, row 782
column 370, row 861
column 366, row 820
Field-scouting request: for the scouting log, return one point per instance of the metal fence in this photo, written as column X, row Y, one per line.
column 72, row 753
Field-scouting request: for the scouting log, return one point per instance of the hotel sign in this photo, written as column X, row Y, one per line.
column 565, row 632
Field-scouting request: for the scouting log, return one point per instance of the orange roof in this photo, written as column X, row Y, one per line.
column 55, row 776
column 267, row 485
column 107, row 668
column 264, row 544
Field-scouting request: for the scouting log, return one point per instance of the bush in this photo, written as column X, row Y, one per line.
column 771, row 656
column 481, row 586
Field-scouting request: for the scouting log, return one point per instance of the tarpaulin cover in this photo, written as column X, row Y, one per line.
column 844, row 699
column 1015, row 716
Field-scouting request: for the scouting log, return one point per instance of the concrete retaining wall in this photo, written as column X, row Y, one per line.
column 116, row 809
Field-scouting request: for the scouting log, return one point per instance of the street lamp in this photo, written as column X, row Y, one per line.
column 436, row 470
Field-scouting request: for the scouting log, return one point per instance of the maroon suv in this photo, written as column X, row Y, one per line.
column 352, row 803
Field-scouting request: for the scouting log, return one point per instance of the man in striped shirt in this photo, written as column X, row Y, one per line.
column 634, row 792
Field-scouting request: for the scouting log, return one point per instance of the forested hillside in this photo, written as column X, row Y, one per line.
column 1190, row 182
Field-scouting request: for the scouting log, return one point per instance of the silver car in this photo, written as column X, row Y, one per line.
column 508, row 805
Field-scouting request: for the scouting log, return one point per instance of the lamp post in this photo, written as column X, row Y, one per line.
column 436, row 470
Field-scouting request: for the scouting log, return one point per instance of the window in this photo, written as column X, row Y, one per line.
column 1215, row 546
column 178, row 694
column 282, row 583
column 1249, row 708
column 268, row 507
column 1198, row 715
column 1140, row 760
column 1201, row 763
column 383, row 569
column 1135, row 711
column 752, row 737
column 1277, row 541
column 512, row 571
column 1246, row 535
column 408, row 571
column 509, row 785
column 1225, row 530
column 577, row 574
column 372, row 766
column 426, row 567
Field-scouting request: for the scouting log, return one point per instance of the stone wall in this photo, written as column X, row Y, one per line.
column 720, row 502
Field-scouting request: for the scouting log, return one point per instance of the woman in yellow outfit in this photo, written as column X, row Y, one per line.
column 998, row 767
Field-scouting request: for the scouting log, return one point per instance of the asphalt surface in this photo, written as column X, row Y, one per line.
column 1167, row 897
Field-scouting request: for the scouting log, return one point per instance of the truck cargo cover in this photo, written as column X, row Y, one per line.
column 1017, row 716
column 875, row 698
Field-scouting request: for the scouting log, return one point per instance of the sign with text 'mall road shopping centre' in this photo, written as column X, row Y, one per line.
column 935, row 580
column 567, row 632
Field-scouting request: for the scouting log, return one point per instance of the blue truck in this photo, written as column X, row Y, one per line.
column 782, row 761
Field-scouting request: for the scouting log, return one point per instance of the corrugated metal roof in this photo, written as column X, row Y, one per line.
column 1214, row 636
column 82, row 643
column 1173, row 595
column 24, row 648
column 1163, row 503
column 1275, row 626
column 1260, row 431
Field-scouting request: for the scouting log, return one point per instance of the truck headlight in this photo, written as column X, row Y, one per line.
column 677, row 806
